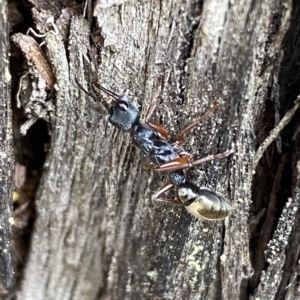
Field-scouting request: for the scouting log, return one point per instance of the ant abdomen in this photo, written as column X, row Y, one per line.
column 203, row 203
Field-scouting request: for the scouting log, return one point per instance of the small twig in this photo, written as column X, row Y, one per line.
column 85, row 8
column 19, row 104
column 274, row 133
column 49, row 21
column 35, row 33
column 24, row 128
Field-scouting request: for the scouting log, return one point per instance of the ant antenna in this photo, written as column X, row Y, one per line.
column 104, row 103
column 108, row 92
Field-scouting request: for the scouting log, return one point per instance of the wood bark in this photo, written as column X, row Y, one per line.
column 6, row 154
column 98, row 234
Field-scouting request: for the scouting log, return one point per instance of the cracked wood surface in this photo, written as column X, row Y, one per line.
column 98, row 235
column 6, row 154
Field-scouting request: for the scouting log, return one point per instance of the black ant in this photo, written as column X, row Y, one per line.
column 152, row 140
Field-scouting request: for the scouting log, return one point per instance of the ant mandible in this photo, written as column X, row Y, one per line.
column 152, row 140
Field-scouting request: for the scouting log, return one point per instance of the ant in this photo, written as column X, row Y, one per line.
column 152, row 140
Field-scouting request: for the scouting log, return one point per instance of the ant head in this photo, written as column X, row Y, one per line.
column 122, row 113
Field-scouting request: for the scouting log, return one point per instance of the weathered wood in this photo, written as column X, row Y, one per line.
column 98, row 235
column 6, row 153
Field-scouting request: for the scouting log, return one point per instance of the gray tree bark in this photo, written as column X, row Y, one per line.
column 6, row 154
column 98, row 235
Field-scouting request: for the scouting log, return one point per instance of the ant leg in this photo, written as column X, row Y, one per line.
column 174, row 164
column 148, row 166
column 183, row 162
column 152, row 106
column 150, row 111
column 163, row 133
column 180, row 139
column 158, row 128
column 183, row 159
column 168, row 185
column 169, row 201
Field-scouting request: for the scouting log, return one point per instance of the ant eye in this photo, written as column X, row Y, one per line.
column 122, row 105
